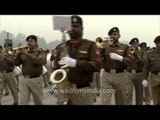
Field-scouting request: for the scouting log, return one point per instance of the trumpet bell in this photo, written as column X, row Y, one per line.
column 58, row 76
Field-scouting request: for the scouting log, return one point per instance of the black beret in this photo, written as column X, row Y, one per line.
column 143, row 44
column 114, row 29
column 133, row 41
column 76, row 19
column 31, row 37
column 157, row 39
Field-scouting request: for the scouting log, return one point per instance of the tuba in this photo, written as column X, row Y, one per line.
column 60, row 75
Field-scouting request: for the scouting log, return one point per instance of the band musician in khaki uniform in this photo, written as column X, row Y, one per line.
column 31, row 81
column 113, row 80
column 7, row 75
column 6, row 93
column 153, row 65
column 135, row 73
column 82, row 62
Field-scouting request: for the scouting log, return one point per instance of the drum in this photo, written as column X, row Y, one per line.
column 17, row 70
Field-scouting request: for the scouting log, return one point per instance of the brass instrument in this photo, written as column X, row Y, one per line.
column 12, row 50
column 20, row 47
column 59, row 75
column 102, row 42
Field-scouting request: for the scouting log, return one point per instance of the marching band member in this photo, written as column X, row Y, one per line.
column 7, row 75
column 82, row 62
column 31, row 82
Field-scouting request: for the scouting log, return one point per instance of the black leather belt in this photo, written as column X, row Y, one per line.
column 31, row 76
column 114, row 70
column 6, row 71
column 156, row 73
column 82, row 85
column 135, row 71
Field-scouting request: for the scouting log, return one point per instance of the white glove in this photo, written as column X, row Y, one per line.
column 67, row 62
column 115, row 56
column 145, row 83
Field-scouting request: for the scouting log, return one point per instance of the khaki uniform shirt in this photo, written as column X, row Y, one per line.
column 153, row 62
column 88, row 61
column 138, row 58
column 7, row 62
column 31, row 61
column 118, row 48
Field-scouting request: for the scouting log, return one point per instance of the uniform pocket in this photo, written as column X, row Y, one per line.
column 82, row 56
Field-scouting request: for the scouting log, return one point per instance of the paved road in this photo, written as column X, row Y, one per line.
column 49, row 99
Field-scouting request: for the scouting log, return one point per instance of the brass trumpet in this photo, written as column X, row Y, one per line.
column 102, row 42
column 12, row 50
column 21, row 47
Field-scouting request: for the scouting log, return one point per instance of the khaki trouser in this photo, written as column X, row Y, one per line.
column 155, row 87
column 30, row 86
column 63, row 97
column 69, row 93
column 135, row 81
column 45, row 79
column 96, row 84
column 113, row 83
column 6, row 88
column 8, row 78
column 82, row 96
column 96, row 80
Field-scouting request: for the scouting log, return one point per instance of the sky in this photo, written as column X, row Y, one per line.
column 144, row 27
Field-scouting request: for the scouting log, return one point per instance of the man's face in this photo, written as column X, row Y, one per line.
column 32, row 43
column 115, row 36
column 135, row 44
column 76, row 31
column 158, row 45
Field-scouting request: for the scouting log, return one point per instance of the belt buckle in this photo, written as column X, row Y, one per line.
column 158, row 73
column 112, row 70
column 27, row 76
column 133, row 71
